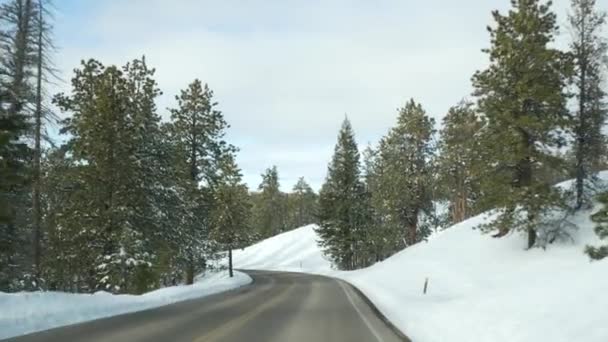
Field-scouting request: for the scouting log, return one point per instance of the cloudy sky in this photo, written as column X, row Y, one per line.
column 286, row 72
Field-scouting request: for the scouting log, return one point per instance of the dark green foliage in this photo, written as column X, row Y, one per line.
column 459, row 160
column 199, row 129
column 522, row 97
column 231, row 210
column 302, row 205
column 137, row 196
column 270, row 212
column 275, row 212
column 129, row 205
column 402, row 194
column 17, row 61
column 601, row 219
column 114, row 132
column 343, row 220
column 197, row 133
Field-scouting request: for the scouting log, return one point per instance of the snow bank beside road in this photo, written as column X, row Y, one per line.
column 480, row 289
column 27, row 312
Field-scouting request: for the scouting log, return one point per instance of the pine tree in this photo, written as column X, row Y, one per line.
column 601, row 218
column 271, row 205
column 404, row 184
column 59, row 179
column 16, row 61
column 231, row 210
column 457, row 161
column 381, row 238
column 198, row 129
column 342, row 222
column 303, row 204
column 522, row 97
column 589, row 49
column 113, row 135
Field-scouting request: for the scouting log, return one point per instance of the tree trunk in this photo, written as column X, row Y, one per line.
column 230, row 262
column 37, row 153
column 190, row 273
column 582, row 128
column 531, row 237
column 412, row 229
column 524, row 180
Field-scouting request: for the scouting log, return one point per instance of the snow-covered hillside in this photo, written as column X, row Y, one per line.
column 480, row 288
column 28, row 312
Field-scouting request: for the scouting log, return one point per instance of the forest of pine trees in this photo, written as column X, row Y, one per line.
column 501, row 150
column 127, row 202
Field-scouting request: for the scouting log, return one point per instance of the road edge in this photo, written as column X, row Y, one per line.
column 377, row 312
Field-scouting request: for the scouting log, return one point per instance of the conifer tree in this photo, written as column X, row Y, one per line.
column 113, row 132
column 404, row 183
column 342, row 222
column 381, row 238
column 589, row 48
column 522, row 97
column 458, row 160
column 198, row 129
column 231, row 209
column 271, row 205
column 17, row 23
column 303, row 204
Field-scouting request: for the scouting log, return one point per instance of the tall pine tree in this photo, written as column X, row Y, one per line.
column 404, row 184
column 17, row 59
column 458, row 160
column 522, row 97
column 342, row 222
column 113, row 133
column 303, row 204
column 198, row 129
column 231, row 210
column 271, row 205
column 588, row 47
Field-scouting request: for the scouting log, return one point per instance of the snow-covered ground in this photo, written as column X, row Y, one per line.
column 480, row 288
column 23, row 313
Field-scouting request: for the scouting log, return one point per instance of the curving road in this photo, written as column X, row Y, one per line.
column 281, row 307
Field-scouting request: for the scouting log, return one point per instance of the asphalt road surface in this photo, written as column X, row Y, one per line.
column 281, row 307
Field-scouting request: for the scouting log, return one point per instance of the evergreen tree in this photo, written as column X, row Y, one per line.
column 458, row 159
column 271, row 205
column 231, row 210
column 64, row 258
column 404, row 184
column 17, row 23
column 303, row 204
column 522, row 97
column 601, row 218
column 381, row 239
column 588, row 47
column 112, row 134
column 198, row 129
column 342, row 222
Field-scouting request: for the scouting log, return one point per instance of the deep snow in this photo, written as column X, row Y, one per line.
column 27, row 312
column 480, row 288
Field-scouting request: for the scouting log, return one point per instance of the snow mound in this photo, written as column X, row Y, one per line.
column 480, row 288
column 27, row 312
column 296, row 250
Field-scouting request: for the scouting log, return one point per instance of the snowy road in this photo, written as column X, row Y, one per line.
column 276, row 307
